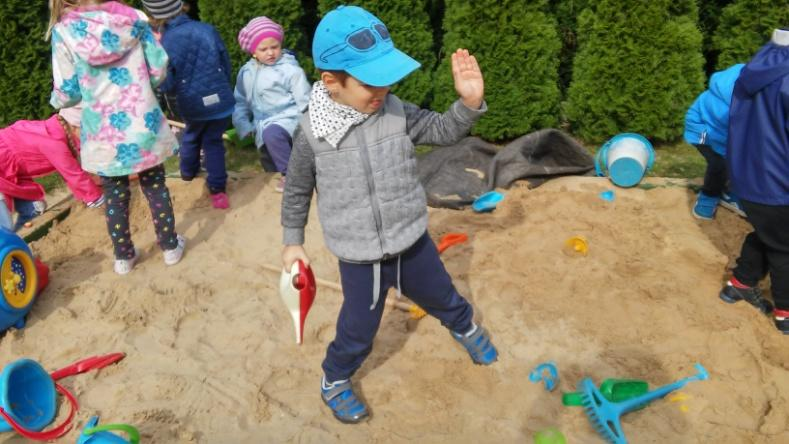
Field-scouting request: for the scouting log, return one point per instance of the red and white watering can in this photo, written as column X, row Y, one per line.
column 297, row 290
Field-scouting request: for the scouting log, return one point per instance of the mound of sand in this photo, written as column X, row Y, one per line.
column 211, row 352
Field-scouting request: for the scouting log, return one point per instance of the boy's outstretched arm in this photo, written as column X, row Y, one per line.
column 431, row 128
column 296, row 199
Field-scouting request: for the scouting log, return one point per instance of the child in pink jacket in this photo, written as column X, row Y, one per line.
column 34, row 148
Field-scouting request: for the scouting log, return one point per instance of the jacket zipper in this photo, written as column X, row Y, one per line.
column 368, row 169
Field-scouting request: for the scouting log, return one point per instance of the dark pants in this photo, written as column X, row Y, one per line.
column 424, row 280
column 205, row 135
column 277, row 143
column 766, row 249
column 716, row 177
column 116, row 210
column 26, row 211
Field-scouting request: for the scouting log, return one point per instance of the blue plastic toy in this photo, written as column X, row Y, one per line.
column 18, row 279
column 604, row 414
column 487, row 202
column 100, row 434
column 547, row 373
column 608, row 195
column 27, row 395
column 625, row 159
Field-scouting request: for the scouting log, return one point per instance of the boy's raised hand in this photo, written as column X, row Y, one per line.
column 468, row 78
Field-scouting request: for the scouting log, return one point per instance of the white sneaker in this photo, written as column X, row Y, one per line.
column 172, row 257
column 124, row 266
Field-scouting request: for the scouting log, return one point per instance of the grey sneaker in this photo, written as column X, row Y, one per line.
column 172, row 257
column 343, row 402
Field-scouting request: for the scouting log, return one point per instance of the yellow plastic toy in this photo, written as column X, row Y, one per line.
column 576, row 245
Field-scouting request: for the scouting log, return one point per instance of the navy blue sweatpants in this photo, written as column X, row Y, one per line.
column 423, row 279
column 208, row 136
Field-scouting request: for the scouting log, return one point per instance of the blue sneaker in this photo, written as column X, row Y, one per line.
column 478, row 345
column 705, row 206
column 729, row 200
column 343, row 402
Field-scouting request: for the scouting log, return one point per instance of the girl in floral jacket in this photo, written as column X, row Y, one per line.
column 105, row 56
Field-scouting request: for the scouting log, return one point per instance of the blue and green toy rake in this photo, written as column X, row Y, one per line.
column 604, row 414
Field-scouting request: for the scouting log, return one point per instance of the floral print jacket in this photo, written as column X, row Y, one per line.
column 106, row 57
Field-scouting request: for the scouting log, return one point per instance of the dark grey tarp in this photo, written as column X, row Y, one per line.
column 453, row 176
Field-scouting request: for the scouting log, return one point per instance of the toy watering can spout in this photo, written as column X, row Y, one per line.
column 297, row 290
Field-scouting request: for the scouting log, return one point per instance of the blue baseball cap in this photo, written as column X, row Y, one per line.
column 351, row 39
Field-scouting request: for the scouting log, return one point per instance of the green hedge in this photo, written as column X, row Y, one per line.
column 638, row 68
column 229, row 16
column 517, row 47
column 745, row 26
column 25, row 61
column 566, row 13
column 408, row 22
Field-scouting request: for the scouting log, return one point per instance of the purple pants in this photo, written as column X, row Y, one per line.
column 277, row 142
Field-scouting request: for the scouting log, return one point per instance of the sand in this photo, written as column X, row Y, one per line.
column 211, row 354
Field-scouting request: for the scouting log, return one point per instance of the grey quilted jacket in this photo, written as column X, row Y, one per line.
column 370, row 203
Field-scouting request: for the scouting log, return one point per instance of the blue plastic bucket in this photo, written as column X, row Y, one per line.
column 625, row 159
column 18, row 280
column 27, row 394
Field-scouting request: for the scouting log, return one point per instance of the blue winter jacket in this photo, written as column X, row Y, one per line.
column 758, row 150
column 199, row 72
column 270, row 94
column 707, row 120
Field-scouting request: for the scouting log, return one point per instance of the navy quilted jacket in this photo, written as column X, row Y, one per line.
column 199, row 72
column 758, row 151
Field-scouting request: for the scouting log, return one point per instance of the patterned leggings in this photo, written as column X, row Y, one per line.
column 116, row 210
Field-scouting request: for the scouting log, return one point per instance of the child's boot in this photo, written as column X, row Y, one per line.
column 343, row 402
column 782, row 320
column 732, row 293
column 705, row 206
column 477, row 343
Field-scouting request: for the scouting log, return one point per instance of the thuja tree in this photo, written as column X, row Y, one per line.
column 746, row 25
column 25, row 61
column 408, row 22
column 638, row 67
column 518, row 48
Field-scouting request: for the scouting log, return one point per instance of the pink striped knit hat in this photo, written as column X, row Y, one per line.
column 256, row 30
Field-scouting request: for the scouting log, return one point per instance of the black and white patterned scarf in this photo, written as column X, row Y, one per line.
column 329, row 119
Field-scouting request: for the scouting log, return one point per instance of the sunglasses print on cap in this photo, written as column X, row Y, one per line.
column 361, row 40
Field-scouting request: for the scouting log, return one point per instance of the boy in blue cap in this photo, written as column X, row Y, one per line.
column 355, row 144
column 758, row 161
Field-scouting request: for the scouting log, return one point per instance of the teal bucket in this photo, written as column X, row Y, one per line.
column 625, row 159
column 27, row 395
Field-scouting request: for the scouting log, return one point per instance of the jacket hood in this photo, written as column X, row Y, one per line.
column 768, row 65
column 102, row 34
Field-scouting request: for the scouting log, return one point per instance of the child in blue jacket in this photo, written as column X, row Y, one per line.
column 758, row 161
column 271, row 91
column 199, row 74
column 707, row 128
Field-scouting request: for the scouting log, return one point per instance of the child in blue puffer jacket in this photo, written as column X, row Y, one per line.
column 707, row 128
column 271, row 91
column 199, row 74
